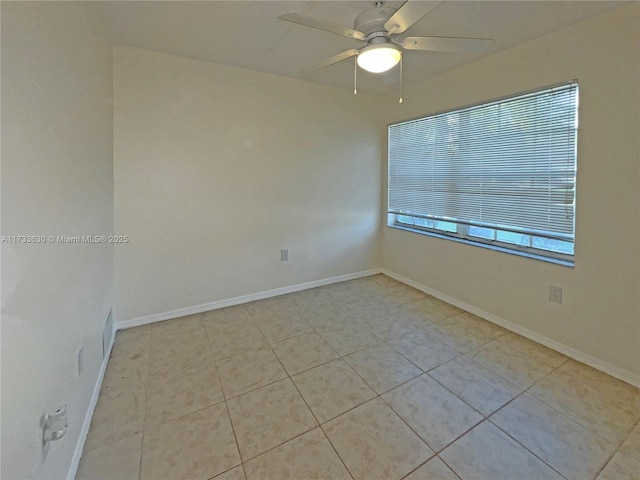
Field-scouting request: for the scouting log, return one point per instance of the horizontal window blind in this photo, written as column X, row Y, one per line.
column 509, row 163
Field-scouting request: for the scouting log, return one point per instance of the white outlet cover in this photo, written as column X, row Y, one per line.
column 555, row 294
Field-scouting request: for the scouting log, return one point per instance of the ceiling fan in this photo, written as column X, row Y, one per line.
column 382, row 28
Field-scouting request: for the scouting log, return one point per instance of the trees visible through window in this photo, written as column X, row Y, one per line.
column 501, row 173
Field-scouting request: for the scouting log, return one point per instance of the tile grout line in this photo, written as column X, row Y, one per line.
column 378, row 395
column 144, row 418
column 565, row 414
column 298, row 435
column 310, row 410
column 484, row 417
column 295, row 386
column 145, row 384
column 218, row 475
column 524, row 446
column 295, row 436
column 479, row 348
column 617, row 450
column 436, row 452
column 336, row 452
column 523, row 393
column 450, row 467
column 226, row 406
column 189, row 413
column 318, row 422
column 427, row 461
column 233, row 397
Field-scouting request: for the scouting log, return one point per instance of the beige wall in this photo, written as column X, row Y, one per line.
column 600, row 315
column 57, row 179
column 218, row 168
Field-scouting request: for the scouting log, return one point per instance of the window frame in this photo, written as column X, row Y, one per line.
column 461, row 233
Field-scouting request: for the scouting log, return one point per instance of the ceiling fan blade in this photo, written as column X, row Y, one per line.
column 338, row 57
column 322, row 25
column 448, row 44
column 409, row 13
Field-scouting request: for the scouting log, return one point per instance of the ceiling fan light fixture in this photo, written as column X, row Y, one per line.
column 379, row 58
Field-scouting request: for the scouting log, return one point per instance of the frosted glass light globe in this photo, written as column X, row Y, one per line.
column 379, row 58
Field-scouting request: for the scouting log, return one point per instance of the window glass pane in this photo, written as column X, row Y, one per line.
column 427, row 223
column 424, row 222
column 511, row 237
column 553, row 245
column 446, row 226
column 482, row 232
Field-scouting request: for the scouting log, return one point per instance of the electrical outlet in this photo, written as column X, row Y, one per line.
column 284, row 255
column 555, row 294
column 80, row 360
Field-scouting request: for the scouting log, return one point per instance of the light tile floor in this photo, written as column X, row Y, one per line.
column 367, row 379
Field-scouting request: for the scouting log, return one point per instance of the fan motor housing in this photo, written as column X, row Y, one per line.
column 373, row 20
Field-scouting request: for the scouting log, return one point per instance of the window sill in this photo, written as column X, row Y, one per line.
column 519, row 253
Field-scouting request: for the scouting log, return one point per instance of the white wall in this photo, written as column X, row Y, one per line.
column 600, row 314
column 57, row 179
column 218, row 168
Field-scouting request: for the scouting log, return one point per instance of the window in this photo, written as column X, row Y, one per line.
column 501, row 173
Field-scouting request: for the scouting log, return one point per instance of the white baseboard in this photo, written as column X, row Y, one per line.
column 229, row 302
column 570, row 352
column 75, row 460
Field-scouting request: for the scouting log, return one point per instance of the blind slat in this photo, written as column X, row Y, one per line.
column 510, row 162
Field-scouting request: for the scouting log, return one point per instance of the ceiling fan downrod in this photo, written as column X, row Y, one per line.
column 355, row 75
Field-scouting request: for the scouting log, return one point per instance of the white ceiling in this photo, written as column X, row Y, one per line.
column 248, row 34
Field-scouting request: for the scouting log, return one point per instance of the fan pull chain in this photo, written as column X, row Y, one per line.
column 400, row 101
column 355, row 74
